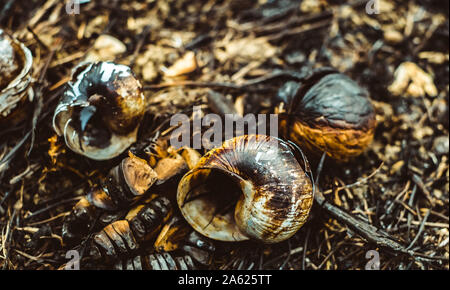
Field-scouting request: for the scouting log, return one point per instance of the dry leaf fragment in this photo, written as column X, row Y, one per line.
column 149, row 71
column 106, row 48
column 182, row 66
column 397, row 166
column 312, row 6
column 421, row 132
column 434, row 56
column 246, row 50
column 412, row 80
column 393, row 36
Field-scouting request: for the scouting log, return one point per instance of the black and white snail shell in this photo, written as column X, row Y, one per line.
column 100, row 111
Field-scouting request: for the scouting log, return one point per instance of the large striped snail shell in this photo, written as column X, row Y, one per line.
column 252, row 187
column 100, row 111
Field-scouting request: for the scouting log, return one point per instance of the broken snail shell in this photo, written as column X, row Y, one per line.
column 252, row 187
column 125, row 184
column 122, row 237
column 156, row 261
column 330, row 113
column 100, row 111
column 16, row 63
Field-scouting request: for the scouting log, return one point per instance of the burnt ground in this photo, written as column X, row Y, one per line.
column 400, row 184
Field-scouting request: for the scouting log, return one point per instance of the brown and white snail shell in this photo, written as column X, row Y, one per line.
column 252, row 187
column 16, row 63
column 100, row 111
column 330, row 113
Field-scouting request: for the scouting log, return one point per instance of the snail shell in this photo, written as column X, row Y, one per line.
column 100, row 111
column 16, row 63
column 252, row 187
column 332, row 114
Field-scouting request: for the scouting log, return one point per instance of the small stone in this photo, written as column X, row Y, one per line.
column 393, row 36
column 440, row 145
column 437, row 193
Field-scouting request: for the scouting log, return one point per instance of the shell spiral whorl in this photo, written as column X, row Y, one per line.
column 100, row 111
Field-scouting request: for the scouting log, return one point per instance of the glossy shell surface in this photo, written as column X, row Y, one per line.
column 252, row 187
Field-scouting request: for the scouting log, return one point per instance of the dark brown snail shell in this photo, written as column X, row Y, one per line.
column 100, row 111
column 16, row 63
column 331, row 114
column 252, row 187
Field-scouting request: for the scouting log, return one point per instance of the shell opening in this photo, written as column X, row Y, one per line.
column 209, row 203
column 93, row 128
